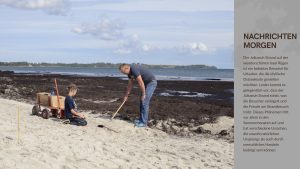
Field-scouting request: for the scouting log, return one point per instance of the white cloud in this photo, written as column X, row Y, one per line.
column 133, row 44
column 113, row 30
column 196, row 48
column 147, row 48
column 104, row 29
column 55, row 7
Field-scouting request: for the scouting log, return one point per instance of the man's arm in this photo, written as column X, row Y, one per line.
column 77, row 114
column 142, row 86
column 129, row 88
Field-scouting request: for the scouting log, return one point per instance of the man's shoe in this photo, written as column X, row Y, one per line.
column 137, row 121
column 140, row 124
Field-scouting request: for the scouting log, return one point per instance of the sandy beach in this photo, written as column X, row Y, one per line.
column 50, row 144
column 185, row 131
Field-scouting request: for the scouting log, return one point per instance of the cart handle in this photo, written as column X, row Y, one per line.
column 57, row 93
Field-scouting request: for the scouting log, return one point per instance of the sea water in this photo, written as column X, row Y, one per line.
column 160, row 73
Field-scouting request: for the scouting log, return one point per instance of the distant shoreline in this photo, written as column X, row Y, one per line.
column 120, row 76
column 100, row 65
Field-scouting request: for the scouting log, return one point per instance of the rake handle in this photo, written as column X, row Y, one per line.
column 118, row 109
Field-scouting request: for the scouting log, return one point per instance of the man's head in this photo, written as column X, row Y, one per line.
column 72, row 89
column 124, row 68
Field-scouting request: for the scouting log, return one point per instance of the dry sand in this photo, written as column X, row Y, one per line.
column 50, row 144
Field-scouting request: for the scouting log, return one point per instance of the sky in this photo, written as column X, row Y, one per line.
column 181, row 32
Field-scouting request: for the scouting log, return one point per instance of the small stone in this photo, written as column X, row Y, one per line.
column 159, row 125
column 176, row 129
column 7, row 91
column 9, row 86
column 224, row 133
column 169, row 121
column 166, row 127
column 191, row 134
column 185, row 129
column 216, row 155
column 185, row 134
column 191, row 125
column 199, row 130
column 151, row 123
column 9, row 138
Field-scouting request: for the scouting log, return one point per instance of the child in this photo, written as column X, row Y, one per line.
column 71, row 113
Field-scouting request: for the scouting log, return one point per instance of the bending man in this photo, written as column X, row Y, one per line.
column 147, row 84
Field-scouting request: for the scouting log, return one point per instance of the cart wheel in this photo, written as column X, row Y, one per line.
column 35, row 110
column 45, row 113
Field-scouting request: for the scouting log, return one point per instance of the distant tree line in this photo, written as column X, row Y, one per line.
column 102, row 65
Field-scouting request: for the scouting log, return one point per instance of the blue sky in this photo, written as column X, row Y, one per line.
column 144, row 31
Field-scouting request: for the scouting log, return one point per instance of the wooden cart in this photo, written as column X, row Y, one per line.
column 48, row 105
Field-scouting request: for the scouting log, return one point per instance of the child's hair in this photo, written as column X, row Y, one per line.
column 72, row 87
column 123, row 65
